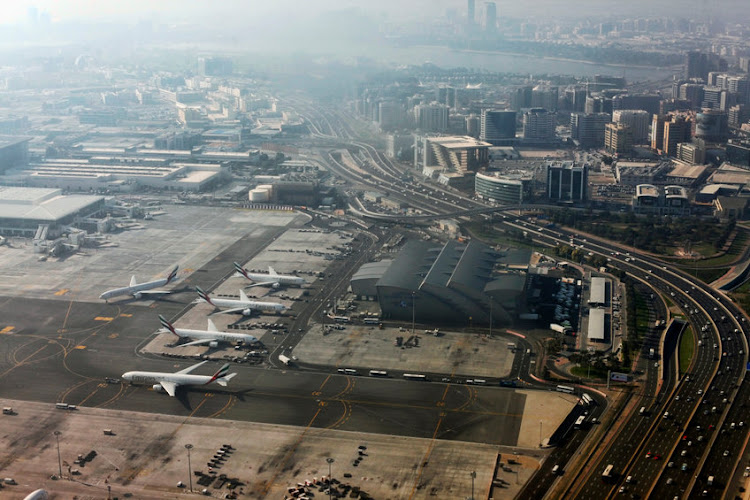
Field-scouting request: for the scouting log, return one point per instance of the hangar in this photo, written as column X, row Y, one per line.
column 451, row 283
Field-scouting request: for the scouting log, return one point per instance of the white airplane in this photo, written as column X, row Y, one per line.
column 169, row 382
column 271, row 279
column 212, row 336
column 244, row 305
column 139, row 290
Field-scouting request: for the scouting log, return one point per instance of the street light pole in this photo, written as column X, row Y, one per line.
column 329, row 460
column 473, row 475
column 59, row 460
column 413, row 314
column 189, row 447
column 490, row 317
column 540, row 433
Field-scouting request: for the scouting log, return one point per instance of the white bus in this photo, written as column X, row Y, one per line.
column 378, row 373
column 607, row 474
column 566, row 389
column 414, row 376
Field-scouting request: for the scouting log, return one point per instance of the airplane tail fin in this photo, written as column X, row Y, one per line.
column 166, row 324
column 223, row 380
column 173, row 274
column 203, row 295
column 272, row 271
column 221, row 374
column 240, row 270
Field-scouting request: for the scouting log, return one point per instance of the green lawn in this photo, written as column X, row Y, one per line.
column 687, row 349
column 583, row 371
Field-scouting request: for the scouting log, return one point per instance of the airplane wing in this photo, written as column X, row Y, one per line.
column 198, row 342
column 233, row 310
column 170, row 387
column 190, row 368
column 262, row 283
column 154, row 292
column 133, row 282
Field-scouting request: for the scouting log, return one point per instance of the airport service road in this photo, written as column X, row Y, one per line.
column 62, row 352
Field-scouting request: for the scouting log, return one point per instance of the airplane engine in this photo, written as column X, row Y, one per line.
column 137, row 295
column 158, row 388
column 247, row 312
column 213, row 344
column 276, row 285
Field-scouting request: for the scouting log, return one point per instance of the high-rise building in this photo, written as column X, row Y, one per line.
column 712, row 97
column 618, row 138
column 521, row 98
column 389, row 115
column 712, row 125
column 498, row 127
column 637, row 119
column 699, row 65
column 490, row 17
column 470, row 15
column 691, row 92
column 588, row 128
column 544, row 97
column 646, row 102
column 473, row 126
column 566, row 181
column 598, row 104
column 676, row 131
column 657, row 131
column 738, row 115
column 215, row 66
column 431, row 117
column 539, row 125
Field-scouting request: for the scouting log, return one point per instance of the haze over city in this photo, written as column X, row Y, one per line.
column 349, row 249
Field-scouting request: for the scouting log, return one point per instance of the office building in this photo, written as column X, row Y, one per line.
column 498, row 127
column 638, row 120
column 692, row 93
column 692, row 153
column 618, row 139
column 675, row 131
column 657, row 131
column 390, row 115
column 699, row 65
column 453, row 154
column 431, row 117
column 215, row 66
column 671, row 200
column 490, row 18
column 567, row 181
column 712, row 126
column 521, row 98
column 738, row 114
column 470, row 14
column 644, row 102
column 505, row 189
column 588, row 129
column 539, row 125
column 14, row 152
column 544, row 97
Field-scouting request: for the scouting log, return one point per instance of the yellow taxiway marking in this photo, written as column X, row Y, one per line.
column 103, row 318
column 114, row 335
column 126, row 315
column 62, row 292
column 81, row 347
column 7, row 329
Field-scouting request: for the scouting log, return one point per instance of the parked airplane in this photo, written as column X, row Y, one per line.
column 243, row 305
column 139, row 290
column 169, row 382
column 272, row 278
column 212, row 336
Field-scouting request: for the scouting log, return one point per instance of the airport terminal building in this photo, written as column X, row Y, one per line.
column 450, row 283
column 23, row 210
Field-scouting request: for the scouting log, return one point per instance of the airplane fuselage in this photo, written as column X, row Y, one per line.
column 133, row 290
column 160, row 377
column 218, row 336
column 273, row 279
column 252, row 305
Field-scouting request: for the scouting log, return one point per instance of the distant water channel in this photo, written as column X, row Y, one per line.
column 508, row 63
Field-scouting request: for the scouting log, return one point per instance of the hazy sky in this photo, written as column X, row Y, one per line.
column 195, row 10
